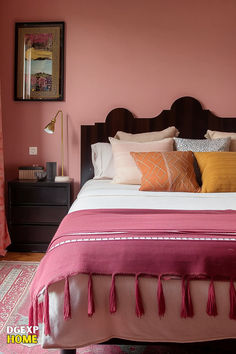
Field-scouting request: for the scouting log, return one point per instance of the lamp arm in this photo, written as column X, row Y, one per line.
column 62, row 143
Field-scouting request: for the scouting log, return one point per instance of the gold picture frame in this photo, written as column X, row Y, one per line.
column 39, row 61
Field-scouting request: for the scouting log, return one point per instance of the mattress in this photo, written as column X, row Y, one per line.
column 82, row 330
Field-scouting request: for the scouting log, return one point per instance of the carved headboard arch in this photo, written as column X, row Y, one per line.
column 186, row 114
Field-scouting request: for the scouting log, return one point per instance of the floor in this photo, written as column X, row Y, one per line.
column 22, row 256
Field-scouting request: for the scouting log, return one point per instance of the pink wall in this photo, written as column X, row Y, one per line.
column 138, row 54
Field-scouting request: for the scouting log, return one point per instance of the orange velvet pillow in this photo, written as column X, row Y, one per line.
column 166, row 171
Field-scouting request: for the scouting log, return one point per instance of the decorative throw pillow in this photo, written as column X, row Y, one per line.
column 102, row 160
column 201, row 145
column 126, row 170
column 166, row 171
column 218, row 171
column 169, row 132
column 214, row 134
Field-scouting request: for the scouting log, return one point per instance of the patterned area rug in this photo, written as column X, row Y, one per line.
column 15, row 278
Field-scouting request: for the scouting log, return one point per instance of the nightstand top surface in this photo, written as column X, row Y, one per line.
column 35, row 181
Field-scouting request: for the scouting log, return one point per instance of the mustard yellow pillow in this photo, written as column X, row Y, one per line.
column 218, row 171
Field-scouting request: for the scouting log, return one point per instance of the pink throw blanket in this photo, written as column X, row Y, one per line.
column 159, row 243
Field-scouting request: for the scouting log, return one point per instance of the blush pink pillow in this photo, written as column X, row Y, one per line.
column 126, row 171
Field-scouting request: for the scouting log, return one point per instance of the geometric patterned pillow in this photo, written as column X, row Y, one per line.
column 166, row 171
column 202, row 145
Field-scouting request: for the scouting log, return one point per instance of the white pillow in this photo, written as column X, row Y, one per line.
column 126, row 170
column 169, row 132
column 102, row 160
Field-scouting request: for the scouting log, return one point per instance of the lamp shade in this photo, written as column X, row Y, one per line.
column 50, row 127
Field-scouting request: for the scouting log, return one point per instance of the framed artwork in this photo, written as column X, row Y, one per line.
column 39, row 61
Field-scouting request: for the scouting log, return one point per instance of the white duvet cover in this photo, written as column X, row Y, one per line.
column 103, row 194
column 81, row 330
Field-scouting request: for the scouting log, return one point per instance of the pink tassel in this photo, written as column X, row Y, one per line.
column 40, row 312
column 31, row 315
column 160, row 298
column 67, row 308
column 232, row 296
column 112, row 298
column 211, row 302
column 47, row 329
column 139, row 304
column 90, row 297
column 187, row 306
column 36, row 323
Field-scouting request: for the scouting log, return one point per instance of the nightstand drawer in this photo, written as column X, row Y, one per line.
column 39, row 194
column 37, row 214
column 32, row 233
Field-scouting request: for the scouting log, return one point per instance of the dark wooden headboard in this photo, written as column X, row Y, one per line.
column 186, row 114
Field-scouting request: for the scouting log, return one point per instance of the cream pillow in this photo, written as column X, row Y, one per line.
column 214, row 134
column 145, row 137
column 126, row 171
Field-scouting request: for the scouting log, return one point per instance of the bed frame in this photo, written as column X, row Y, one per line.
column 215, row 347
column 186, row 114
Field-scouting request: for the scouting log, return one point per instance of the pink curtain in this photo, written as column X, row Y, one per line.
column 4, row 235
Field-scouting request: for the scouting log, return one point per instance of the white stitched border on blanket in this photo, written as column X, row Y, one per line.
column 128, row 238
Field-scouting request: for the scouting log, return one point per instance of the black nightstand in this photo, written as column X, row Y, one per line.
column 35, row 209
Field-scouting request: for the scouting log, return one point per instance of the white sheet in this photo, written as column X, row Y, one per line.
column 103, row 194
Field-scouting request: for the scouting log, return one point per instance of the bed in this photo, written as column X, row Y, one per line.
column 135, row 304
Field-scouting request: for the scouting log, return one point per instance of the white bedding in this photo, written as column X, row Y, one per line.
column 82, row 330
column 103, row 194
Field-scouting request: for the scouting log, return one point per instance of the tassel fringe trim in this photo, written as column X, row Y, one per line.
column 187, row 306
column 232, row 297
column 39, row 311
column 160, row 298
column 139, row 302
column 91, row 309
column 112, row 297
column 211, row 302
column 47, row 330
column 67, row 308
